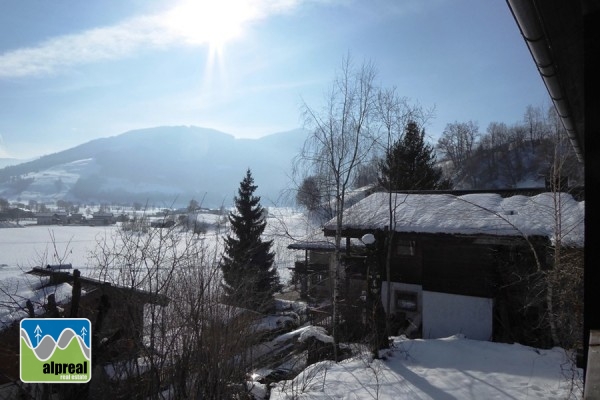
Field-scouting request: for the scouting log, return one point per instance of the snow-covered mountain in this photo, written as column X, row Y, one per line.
column 161, row 166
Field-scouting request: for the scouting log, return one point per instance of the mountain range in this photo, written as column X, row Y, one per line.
column 162, row 166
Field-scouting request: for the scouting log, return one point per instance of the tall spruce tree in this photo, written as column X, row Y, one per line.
column 250, row 278
column 410, row 164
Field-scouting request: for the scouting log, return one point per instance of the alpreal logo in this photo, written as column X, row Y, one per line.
column 56, row 350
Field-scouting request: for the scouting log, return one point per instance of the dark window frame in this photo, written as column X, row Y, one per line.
column 406, row 300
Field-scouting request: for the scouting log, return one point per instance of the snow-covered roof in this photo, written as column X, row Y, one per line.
column 51, row 214
column 481, row 213
column 316, row 241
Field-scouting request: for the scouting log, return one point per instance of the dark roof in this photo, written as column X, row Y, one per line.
column 321, row 245
column 90, row 284
column 554, row 34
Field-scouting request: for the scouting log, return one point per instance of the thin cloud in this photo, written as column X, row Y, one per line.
column 114, row 42
column 90, row 46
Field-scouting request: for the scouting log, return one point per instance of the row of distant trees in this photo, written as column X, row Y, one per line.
column 506, row 154
column 501, row 157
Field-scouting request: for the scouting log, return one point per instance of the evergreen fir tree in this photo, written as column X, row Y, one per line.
column 250, row 279
column 410, row 164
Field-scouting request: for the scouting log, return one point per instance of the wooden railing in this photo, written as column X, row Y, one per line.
column 320, row 316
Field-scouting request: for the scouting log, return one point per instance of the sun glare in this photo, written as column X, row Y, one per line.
column 210, row 22
column 214, row 24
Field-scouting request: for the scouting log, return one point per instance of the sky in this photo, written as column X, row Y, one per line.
column 72, row 71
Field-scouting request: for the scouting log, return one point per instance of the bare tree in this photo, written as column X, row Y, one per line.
column 457, row 143
column 341, row 139
column 195, row 346
column 458, row 140
column 393, row 114
column 564, row 282
column 535, row 124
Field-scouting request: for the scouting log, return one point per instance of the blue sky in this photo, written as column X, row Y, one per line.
column 72, row 70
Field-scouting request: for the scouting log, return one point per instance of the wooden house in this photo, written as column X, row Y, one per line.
column 312, row 267
column 76, row 218
column 102, row 218
column 52, row 218
column 116, row 314
column 458, row 262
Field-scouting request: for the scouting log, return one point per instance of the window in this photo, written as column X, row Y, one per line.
column 405, row 248
column 406, row 301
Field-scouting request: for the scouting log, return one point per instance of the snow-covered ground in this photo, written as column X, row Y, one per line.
column 30, row 245
column 440, row 369
column 35, row 245
column 22, row 248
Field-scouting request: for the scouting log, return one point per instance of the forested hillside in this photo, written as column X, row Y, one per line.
column 156, row 165
column 524, row 154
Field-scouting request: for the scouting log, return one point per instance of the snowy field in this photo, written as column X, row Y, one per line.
column 28, row 246
column 35, row 245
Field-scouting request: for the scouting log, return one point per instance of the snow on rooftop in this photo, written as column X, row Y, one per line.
column 315, row 240
column 15, row 291
column 481, row 213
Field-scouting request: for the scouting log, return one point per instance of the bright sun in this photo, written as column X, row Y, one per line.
column 211, row 22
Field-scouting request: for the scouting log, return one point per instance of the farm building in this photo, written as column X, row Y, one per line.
column 52, row 218
column 102, row 218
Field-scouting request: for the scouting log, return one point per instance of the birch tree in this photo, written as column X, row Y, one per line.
column 341, row 139
column 393, row 114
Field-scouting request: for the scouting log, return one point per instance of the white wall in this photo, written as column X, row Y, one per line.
column 448, row 314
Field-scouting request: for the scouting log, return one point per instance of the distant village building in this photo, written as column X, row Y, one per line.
column 52, row 218
column 76, row 218
column 162, row 223
column 102, row 218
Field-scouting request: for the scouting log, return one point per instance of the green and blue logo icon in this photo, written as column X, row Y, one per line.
column 56, row 350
